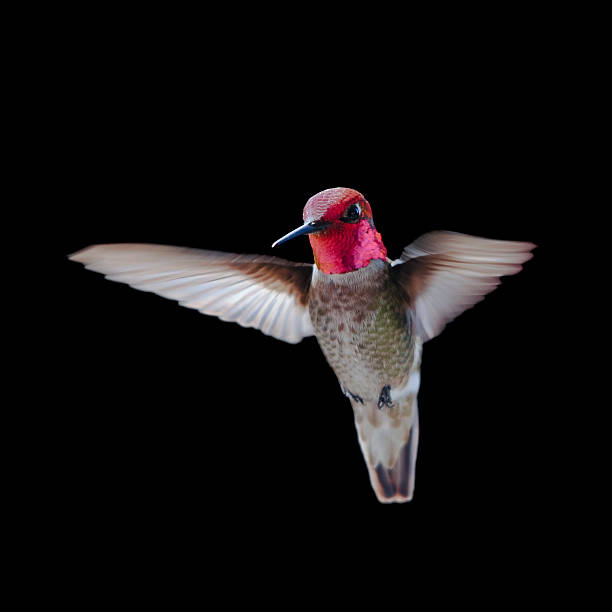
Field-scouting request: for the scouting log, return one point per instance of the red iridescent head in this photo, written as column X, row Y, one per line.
column 350, row 240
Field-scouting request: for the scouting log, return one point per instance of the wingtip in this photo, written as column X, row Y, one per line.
column 78, row 255
column 86, row 255
column 523, row 253
column 529, row 248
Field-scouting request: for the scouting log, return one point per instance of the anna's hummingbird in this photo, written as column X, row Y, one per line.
column 370, row 315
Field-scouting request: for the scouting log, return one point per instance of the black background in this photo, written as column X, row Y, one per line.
column 177, row 409
column 173, row 428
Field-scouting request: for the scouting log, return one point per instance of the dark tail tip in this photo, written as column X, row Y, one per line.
column 397, row 483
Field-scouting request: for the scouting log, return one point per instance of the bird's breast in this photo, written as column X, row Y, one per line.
column 360, row 322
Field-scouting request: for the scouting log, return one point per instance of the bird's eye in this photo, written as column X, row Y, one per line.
column 351, row 214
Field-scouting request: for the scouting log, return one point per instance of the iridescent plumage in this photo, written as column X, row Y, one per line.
column 369, row 314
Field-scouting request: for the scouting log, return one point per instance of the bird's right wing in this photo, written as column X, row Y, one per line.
column 445, row 273
column 258, row 291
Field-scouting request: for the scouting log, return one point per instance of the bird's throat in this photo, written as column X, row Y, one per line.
column 347, row 248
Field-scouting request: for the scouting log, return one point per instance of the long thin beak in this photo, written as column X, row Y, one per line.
column 307, row 228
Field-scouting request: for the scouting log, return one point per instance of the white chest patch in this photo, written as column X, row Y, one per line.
column 410, row 388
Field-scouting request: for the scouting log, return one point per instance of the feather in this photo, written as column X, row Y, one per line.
column 267, row 293
column 445, row 273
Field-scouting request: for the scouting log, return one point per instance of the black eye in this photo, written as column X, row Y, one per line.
column 351, row 214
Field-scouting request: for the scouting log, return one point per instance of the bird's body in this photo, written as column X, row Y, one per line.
column 370, row 315
column 362, row 327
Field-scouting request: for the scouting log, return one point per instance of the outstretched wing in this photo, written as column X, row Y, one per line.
column 445, row 273
column 267, row 293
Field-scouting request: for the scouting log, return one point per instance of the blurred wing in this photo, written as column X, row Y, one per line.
column 445, row 273
column 267, row 293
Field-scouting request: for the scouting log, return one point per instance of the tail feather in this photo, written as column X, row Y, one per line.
column 390, row 450
column 396, row 484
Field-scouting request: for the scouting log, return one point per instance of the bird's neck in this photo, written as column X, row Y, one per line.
column 349, row 248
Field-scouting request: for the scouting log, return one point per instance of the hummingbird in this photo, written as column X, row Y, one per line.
column 370, row 315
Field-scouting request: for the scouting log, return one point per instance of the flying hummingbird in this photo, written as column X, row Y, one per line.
column 369, row 314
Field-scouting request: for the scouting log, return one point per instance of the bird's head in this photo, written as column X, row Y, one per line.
column 339, row 224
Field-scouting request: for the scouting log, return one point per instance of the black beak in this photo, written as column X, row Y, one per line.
column 308, row 228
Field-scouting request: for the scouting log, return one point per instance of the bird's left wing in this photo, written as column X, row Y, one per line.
column 445, row 273
column 258, row 291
